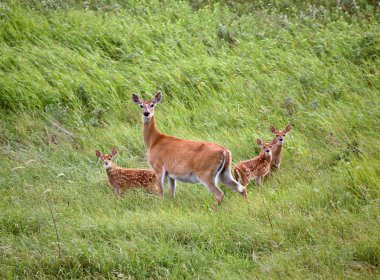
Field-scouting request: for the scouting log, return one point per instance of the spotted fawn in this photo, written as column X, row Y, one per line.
column 256, row 168
column 124, row 178
column 277, row 148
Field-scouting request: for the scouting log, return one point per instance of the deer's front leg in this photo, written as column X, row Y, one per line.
column 117, row 191
column 172, row 186
column 261, row 180
column 161, row 183
column 257, row 181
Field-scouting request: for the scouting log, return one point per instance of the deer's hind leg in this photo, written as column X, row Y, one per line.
column 230, row 182
column 210, row 180
column 216, row 192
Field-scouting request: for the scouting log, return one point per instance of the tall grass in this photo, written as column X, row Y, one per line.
column 227, row 71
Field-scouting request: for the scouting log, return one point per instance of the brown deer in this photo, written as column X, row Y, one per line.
column 256, row 168
column 277, row 149
column 184, row 160
column 123, row 178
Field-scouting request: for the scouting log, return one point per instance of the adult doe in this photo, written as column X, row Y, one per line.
column 184, row 160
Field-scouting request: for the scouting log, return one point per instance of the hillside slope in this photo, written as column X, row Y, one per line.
column 227, row 72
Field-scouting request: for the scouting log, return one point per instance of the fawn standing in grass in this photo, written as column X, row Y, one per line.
column 123, row 178
column 277, row 149
column 184, row 160
column 256, row 168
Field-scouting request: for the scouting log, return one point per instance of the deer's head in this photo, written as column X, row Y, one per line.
column 266, row 147
column 280, row 134
column 106, row 158
column 147, row 106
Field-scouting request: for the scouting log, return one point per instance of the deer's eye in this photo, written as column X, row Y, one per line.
column 141, row 106
column 152, row 105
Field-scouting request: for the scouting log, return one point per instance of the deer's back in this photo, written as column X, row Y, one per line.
column 257, row 166
column 131, row 177
column 180, row 156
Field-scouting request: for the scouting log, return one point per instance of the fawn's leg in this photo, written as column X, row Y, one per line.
column 117, row 191
column 258, row 181
column 267, row 177
column 155, row 188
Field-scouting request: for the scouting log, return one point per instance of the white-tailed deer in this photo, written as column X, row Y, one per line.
column 256, row 168
column 124, row 178
column 277, row 149
column 184, row 160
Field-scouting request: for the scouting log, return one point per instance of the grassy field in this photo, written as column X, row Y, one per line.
column 227, row 71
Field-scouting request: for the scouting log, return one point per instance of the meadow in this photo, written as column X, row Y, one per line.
column 228, row 70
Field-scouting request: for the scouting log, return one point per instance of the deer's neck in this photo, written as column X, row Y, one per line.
column 265, row 158
column 150, row 132
column 110, row 170
column 277, row 150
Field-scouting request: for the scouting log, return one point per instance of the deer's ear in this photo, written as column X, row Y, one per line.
column 136, row 99
column 272, row 129
column 113, row 153
column 288, row 128
column 157, row 97
column 260, row 142
column 99, row 154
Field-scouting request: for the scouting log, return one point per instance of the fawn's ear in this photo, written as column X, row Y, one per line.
column 272, row 129
column 260, row 142
column 287, row 129
column 113, row 153
column 136, row 99
column 157, row 97
column 99, row 154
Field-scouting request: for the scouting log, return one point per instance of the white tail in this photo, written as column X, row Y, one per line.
column 184, row 160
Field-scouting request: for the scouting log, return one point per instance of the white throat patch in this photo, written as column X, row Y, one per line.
column 146, row 119
column 108, row 166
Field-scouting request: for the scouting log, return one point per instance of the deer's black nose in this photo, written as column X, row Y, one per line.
column 146, row 114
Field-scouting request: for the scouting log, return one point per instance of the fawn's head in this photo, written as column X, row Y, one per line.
column 280, row 134
column 266, row 147
column 106, row 158
column 147, row 106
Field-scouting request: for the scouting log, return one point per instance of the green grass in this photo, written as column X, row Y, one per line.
column 227, row 73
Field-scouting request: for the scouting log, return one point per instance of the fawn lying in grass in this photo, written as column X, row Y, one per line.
column 123, row 178
column 256, row 168
column 277, row 148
